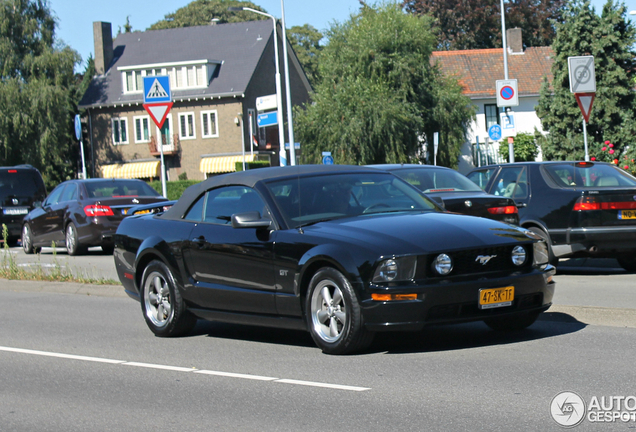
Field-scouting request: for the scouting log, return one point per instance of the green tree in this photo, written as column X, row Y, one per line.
column 609, row 38
column 202, row 12
column 305, row 40
column 525, row 148
column 379, row 99
column 476, row 24
column 36, row 91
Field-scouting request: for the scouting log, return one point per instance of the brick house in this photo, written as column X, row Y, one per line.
column 216, row 73
column 478, row 70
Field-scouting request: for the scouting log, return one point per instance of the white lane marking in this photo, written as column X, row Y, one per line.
column 235, row 375
column 59, row 355
column 317, row 384
column 183, row 369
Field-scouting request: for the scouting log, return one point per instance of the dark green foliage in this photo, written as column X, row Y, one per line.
column 378, row 95
column 174, row 189
column 305, row 40
column 251, row 165
column 476, row 24
column 525, row 148
column 201, row 12
column 37, row 92
column 609, row 38
column 183, row 176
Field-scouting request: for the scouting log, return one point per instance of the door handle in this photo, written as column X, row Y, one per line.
column 520, row 205
column 200, row 240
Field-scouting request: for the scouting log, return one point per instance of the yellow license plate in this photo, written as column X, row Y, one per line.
column 496, row 297
column 143, row 212
column 627, row 214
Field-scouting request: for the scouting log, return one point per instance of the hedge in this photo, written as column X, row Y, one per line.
column 174, row 189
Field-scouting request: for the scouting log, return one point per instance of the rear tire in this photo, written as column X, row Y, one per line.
column 161, row 303
column 333, row 314
column 27, row 241
column 73, row 246
column 544, row 235
column 513, row 323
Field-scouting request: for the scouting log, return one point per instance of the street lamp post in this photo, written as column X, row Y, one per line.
column 279, row 110
column 290, row 122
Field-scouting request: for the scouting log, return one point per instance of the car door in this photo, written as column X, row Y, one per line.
column 45, row 223
column 231, row 268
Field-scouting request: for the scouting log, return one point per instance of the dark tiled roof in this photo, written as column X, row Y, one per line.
column 239, row 46
column 478, row 70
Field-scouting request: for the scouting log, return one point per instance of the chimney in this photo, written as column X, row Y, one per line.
column 514, row 41
column 103, row 36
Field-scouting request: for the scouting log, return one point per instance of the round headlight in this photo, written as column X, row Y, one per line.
column 443, row 264
column 388, row 270
column 518, row 255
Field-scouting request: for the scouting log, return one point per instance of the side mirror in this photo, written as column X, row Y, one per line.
column 250, row 220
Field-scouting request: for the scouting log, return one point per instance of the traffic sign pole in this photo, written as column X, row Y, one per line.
column 157, row 102
column 78, row 135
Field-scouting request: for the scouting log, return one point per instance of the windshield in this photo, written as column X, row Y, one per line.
column 588, row 174
column 17, row 183
column 119, row 189
column 437, row 180
column 306, row 200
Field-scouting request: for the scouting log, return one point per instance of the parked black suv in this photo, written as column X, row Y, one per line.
column 582, row 209
column 21, row 187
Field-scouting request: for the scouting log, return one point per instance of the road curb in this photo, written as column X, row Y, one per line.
column 62, row 288
column 591, row 315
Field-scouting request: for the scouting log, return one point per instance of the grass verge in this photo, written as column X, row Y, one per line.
column 9, row 269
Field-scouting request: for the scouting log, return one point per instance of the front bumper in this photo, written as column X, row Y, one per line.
column 456, row 302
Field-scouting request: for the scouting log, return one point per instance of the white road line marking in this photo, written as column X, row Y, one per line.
column 235, row 375
column 59, row 355
column 317, row 384
column 183, row 369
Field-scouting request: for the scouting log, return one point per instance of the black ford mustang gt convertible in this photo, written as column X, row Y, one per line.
column 340, row 251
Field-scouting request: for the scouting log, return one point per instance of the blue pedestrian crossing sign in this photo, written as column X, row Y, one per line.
column 157, row 89
column 494, row 132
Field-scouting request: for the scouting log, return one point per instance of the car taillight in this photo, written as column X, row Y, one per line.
column 503, row 210
column 13, row 171
column 593, row 203
column 98, row 210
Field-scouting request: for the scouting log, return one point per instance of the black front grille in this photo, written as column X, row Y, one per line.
column 471, row 310
column 476, row 261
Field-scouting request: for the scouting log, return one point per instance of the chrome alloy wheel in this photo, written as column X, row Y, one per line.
column 328, row 311
column 71, row 239
column 27, row 243
column 157, row 300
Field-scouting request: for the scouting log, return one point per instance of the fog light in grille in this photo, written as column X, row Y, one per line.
column 443, row 264
column 519, row 255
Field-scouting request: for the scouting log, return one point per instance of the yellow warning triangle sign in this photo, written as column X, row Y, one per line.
column 585, row 101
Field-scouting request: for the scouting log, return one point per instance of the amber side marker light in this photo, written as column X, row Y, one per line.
column 393, row 297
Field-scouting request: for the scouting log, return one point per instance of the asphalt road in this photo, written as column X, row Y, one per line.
column 78, row 357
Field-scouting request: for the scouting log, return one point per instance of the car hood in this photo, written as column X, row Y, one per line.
column 419, row 232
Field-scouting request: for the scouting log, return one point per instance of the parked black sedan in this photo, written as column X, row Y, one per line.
column 583, row 209
column 83, row 213
column 21, row 187
column 455, row 192
column 341, row 251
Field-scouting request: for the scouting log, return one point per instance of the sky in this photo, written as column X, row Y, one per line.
column 76, row 17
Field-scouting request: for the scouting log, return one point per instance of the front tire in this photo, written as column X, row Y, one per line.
column 27, row 241
column 161, row 303
column 333, row 313
column 513, row 323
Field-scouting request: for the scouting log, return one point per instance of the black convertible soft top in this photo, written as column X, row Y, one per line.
column 250, row 178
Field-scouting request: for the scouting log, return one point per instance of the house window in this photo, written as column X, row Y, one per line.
column 142, row 129
column 492, row 115
column 209, row 128
column 165, row 133
column 120, row 131
column 186, row 126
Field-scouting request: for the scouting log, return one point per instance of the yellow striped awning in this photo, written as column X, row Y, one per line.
column 132, row 170
column 222, row 164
